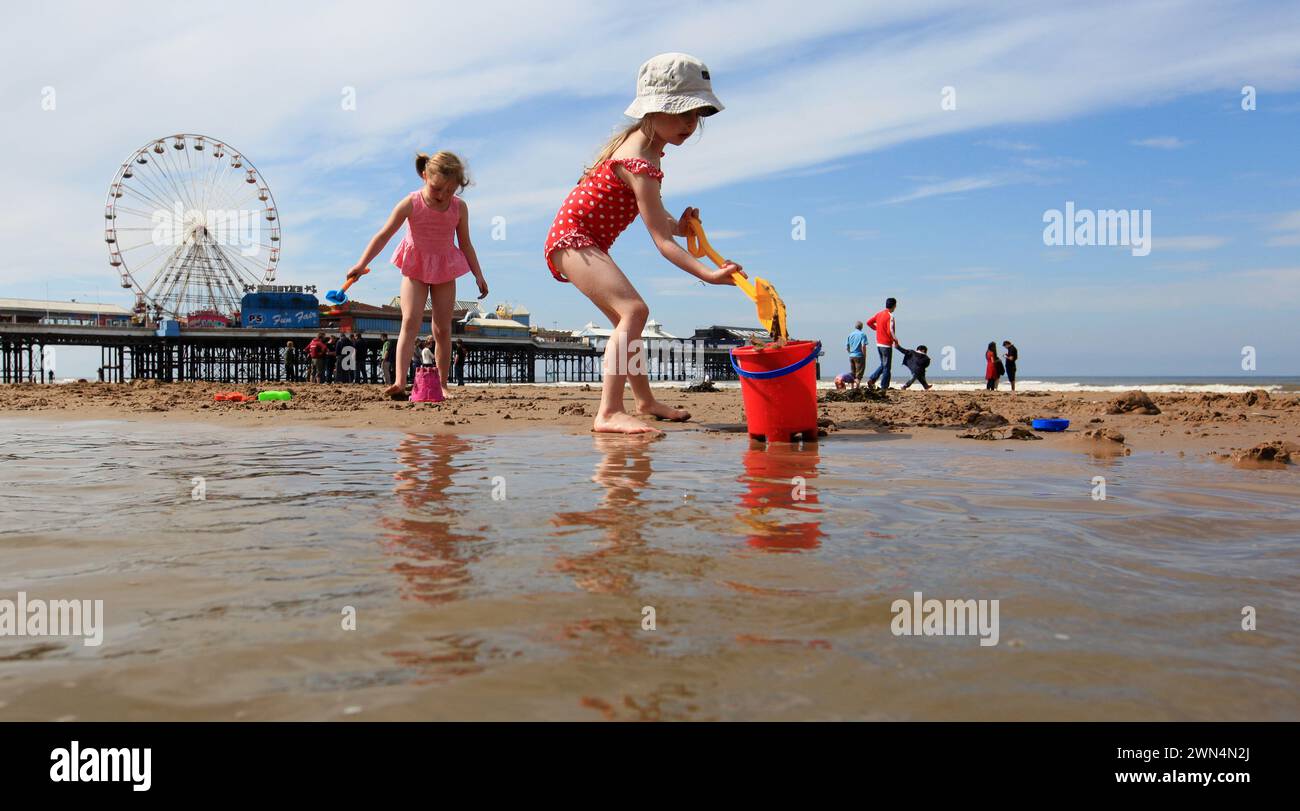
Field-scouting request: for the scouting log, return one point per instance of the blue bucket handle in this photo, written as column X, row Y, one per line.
column 797, row 365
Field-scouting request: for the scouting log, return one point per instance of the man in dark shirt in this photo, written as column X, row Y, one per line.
column 331, row 358
column 1012, row 355
column 346, row 359
column 916, row 360
column 361, row 374
column 458, row 361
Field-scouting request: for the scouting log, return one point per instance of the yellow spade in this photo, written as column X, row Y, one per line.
column 771, row 310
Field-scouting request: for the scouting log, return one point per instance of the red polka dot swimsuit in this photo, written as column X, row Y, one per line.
column 597, row 210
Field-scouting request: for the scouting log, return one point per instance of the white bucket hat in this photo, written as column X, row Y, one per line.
column 673, row 83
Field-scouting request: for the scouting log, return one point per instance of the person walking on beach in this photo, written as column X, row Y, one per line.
column 290, row 362
column 992, row 367
column 886, row 339
column 856, row 345
column 429, row 259
column 388, row 358
column 316, row 353
column 458, row 362
column 1012, row 355
column 674, row 91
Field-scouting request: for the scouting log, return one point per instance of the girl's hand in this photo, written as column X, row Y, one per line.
column 722, row 275
column 482, row 287
column 357, row 272
column 689, row 214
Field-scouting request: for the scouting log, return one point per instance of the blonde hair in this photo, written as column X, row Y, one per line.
column 447, row 164
column 645, row 124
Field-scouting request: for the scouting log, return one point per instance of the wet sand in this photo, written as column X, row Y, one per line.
column 1228, row 425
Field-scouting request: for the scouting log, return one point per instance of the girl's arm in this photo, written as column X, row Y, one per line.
column 662, row 227
column 400, row 212
column 467, row 247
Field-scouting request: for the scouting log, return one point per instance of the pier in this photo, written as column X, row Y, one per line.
column 242, row 355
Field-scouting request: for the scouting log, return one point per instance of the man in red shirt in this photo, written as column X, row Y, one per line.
column 886, row 339
column 316, row 351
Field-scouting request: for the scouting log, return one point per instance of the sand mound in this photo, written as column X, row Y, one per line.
column 1104, row 435
column 1133, row 402
column 702, row 386
column 858, row 395
column 1276, row 451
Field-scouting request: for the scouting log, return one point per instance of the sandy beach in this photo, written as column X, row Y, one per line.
column 1253, row 426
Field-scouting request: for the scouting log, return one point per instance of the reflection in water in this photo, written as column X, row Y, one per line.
column 778, row 477
column 433, row 556
column 623, row 470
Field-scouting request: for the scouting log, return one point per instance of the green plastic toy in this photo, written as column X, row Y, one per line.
column 263, row 396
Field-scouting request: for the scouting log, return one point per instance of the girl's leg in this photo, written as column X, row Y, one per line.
column 595, row 274
column 444, row 302
column 414, row 295
column 646, row 403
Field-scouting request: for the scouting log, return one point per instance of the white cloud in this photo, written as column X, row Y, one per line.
column 1289, row 224
column 1053, row 163
column 971, row 274
column 1188, row 243
column 1008, row 145
column 1162, row 142
column 955, row 186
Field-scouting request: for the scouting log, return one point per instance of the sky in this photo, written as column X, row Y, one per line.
column 915, row 147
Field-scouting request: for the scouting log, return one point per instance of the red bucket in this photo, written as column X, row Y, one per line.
column 779, row 387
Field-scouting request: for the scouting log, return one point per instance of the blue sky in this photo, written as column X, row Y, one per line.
column 833, row 114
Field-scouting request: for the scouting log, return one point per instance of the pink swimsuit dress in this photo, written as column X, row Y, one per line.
column 428, row 253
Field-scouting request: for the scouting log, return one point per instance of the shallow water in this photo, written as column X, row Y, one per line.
column 529, row 604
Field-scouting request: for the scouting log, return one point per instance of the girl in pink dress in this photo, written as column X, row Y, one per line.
column 673, row 91
column 428, row 258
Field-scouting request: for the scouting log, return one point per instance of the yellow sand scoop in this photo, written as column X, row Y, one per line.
column 771, row 310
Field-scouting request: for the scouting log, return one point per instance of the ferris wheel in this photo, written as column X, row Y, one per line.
column 191, row 226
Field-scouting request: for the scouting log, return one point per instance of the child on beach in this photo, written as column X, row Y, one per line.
column 844, row 380
column 917, row 361
column 430, row 262
column 673, row 91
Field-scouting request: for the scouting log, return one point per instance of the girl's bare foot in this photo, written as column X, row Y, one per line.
column 665, row 412
column 621, row 422
column 394, row 390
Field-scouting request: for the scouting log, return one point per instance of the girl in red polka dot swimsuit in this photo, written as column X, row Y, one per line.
column 673, row 91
